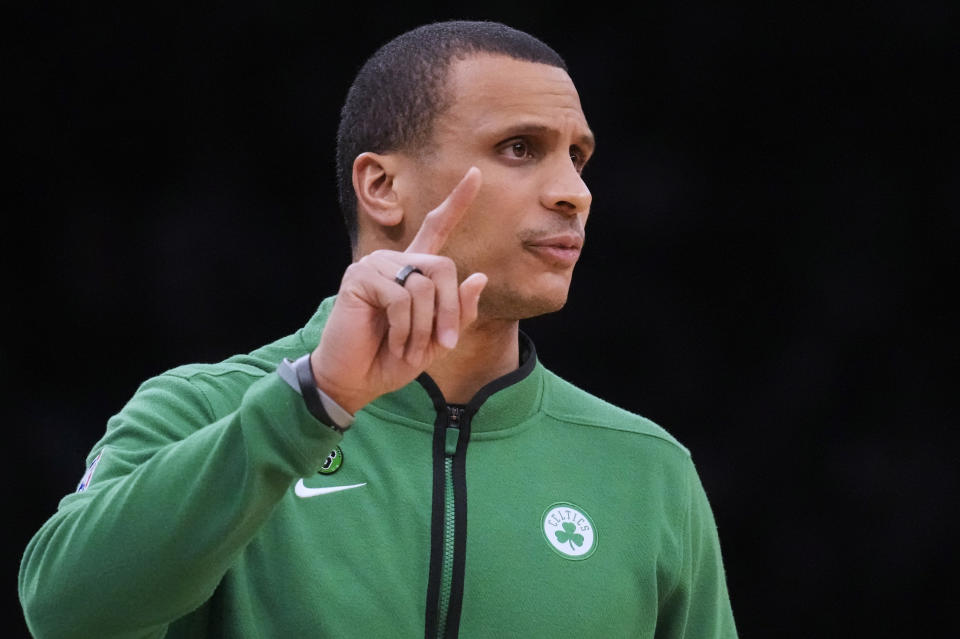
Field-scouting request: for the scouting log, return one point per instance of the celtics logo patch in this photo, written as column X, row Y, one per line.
column 332, row 463
column 569, row 530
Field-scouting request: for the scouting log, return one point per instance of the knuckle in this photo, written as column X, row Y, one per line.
column 404, row 297
column 447, row 265
column 419, row 284
column 399, row 299
column 355, row 274
column 441, row 266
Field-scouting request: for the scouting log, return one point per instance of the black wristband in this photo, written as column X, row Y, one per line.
column 310, row 393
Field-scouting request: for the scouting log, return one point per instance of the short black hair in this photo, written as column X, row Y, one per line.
column 399, row 91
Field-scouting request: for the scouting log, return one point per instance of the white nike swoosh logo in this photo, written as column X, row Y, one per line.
column 304, row 491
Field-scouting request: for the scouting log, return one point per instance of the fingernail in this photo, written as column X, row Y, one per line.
column 448, row 338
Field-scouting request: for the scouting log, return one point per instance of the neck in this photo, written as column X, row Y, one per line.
column 486, row 350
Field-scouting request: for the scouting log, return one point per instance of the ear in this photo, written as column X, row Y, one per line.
column 373, row 182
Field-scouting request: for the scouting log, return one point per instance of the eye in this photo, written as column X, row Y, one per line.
column 578, row 158
column 518, row 149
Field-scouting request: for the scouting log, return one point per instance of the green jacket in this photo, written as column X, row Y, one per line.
column 536, row 510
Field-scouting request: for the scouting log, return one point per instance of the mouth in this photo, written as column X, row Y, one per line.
column 558, row 250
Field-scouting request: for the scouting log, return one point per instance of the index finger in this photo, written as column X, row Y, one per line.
column 440, row 222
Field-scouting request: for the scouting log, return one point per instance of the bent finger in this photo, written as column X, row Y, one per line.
column 422, row 294
column 443, row 272
column 395, row 302
column 470, row 290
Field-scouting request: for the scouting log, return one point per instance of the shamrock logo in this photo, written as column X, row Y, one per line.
column 569, row 531
column 569, row 535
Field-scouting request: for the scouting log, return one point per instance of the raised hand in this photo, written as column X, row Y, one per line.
column 381, row 335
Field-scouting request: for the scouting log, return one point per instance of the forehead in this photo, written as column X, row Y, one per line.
column 492, row 90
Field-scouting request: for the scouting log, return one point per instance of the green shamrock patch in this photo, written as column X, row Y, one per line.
column 569, row 534
column 569, row 530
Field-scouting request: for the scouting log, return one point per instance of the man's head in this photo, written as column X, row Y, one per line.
column 401, row 89
column 442, row 98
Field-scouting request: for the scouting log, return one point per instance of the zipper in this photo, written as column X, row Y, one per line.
column 448, row 513
column 448, row 545
column 451, row 439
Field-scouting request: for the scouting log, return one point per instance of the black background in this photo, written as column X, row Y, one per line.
column 768, row 271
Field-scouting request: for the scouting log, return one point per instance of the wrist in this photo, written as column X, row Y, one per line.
column 351, row 402
column 299, row 375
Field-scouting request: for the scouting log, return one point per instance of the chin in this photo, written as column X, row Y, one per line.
column 511, row 305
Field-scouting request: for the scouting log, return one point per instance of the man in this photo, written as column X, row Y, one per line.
column 402, row 465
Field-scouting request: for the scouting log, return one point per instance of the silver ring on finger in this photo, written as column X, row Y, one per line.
column 402, row 275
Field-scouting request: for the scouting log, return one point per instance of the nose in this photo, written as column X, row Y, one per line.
column 565, row 191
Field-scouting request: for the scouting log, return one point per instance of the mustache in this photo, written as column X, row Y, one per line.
column 534, row 235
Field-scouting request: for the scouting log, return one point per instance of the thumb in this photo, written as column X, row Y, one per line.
column 470, row 290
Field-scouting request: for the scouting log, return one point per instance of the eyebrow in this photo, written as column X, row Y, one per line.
column 587, row 141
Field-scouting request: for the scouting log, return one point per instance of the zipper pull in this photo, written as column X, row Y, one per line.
column 454, row 413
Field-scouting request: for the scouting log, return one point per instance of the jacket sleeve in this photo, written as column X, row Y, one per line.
column 698, row 607
column 178, row 491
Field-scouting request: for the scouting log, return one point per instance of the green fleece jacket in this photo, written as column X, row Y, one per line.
column 216, row 505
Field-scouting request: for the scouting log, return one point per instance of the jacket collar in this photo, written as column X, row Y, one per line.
column 504, row 402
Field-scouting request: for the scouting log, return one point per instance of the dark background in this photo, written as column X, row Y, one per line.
column 768, row 272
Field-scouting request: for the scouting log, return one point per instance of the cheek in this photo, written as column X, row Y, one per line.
column 430, row 181
column 487, row 238
column 491, row 220
column 478, row 246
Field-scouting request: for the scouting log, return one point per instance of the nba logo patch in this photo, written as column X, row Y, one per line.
column 88, row 476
